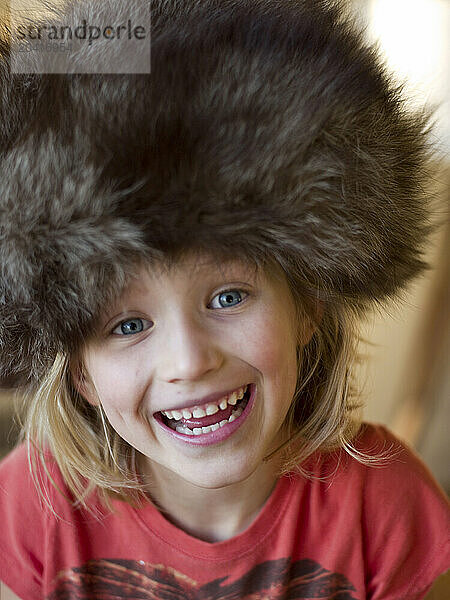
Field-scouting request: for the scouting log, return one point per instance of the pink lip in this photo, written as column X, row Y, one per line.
column 213, row 437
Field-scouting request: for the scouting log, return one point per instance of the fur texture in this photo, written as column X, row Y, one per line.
column 266, row 127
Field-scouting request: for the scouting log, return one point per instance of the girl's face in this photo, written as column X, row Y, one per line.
column 177, row 337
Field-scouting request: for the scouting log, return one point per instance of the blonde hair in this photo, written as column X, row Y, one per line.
column 324, row 414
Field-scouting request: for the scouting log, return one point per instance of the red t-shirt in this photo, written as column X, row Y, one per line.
column 363, row 532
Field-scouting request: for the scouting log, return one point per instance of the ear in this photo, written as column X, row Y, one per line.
column 82, row 384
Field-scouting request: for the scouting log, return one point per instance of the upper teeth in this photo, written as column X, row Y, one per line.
column 206, row 409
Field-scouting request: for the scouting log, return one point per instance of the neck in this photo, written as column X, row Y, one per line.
column 212, row 515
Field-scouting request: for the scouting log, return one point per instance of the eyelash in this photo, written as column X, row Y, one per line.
column 141, row 319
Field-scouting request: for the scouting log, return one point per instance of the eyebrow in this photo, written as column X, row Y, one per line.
column 213, row 265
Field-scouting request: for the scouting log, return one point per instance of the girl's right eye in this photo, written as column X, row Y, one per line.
column 131, row 326
column 226, row 296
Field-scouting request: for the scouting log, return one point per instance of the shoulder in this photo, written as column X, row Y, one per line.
column 380, row 476
column 16, row 466
column 393, row 467
column 18, row 489
column 14, row 470
column 16, row 456
column 24, row 524
column 29, row 483
column 405, row 516
column 393, row 480
column 39, row 521
column 378, row 440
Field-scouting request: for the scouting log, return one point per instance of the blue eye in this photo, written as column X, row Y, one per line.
column 228, row 298
column 130, row 327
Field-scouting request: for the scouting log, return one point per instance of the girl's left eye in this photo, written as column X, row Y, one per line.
column 227, row 298
column 131, row 326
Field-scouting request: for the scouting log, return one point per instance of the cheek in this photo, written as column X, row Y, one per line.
column 115, row 380
column 270, row 346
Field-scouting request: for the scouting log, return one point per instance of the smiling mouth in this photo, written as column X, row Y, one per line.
column 195, row 425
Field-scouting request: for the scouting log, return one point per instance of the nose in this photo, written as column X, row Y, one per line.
column 189, row 350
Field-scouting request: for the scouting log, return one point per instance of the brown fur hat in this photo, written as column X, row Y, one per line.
column 266, row 128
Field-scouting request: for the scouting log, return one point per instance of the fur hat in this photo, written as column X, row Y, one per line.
column 266, row 127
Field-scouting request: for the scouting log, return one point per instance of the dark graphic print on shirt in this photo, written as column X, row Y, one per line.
column 109, row 579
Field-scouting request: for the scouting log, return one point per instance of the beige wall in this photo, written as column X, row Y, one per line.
column 407, row 374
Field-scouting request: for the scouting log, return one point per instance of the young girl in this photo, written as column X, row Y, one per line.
column 185, row 257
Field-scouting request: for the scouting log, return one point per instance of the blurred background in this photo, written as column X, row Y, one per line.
column 406, row 377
